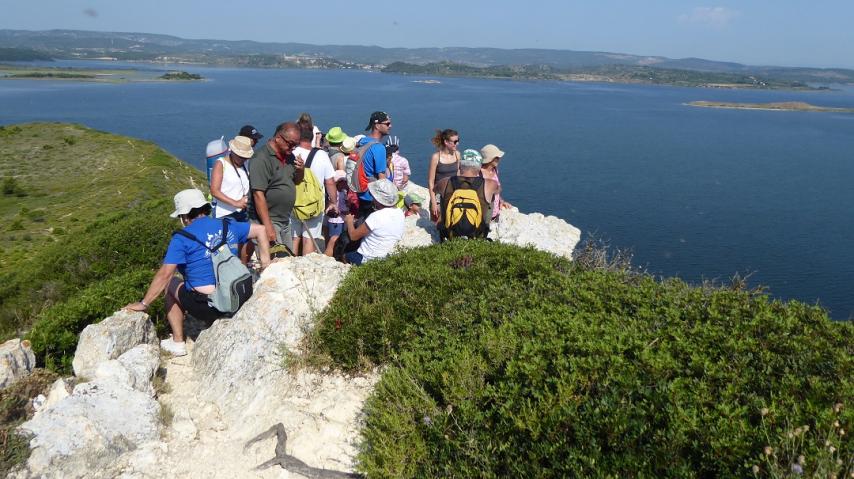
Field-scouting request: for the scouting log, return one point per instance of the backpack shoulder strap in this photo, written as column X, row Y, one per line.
column 224, row 235
column 311, row 157
column 190, row 236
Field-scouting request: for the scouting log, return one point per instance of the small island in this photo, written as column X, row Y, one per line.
column 779, row 106
column 181, row 76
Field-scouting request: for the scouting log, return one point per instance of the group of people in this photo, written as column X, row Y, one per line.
column 260, row 194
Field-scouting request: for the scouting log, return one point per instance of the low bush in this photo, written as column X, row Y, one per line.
column 56, row 330
column 509, row 362
column 118, row 243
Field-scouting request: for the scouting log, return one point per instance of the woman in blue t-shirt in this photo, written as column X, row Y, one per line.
column 193, row 261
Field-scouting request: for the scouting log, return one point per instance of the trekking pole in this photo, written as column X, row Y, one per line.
column 316, row 245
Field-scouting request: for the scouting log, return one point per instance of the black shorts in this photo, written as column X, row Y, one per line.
column 196, row 305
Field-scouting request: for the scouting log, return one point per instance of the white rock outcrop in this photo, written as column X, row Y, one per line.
column 16, row 361
column 84, row 434
column 240, row 366
column 111, row 338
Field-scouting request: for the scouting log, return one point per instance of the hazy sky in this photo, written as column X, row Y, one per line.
column 761, row 32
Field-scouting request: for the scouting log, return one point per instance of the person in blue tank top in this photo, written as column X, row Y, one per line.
column 193, row 261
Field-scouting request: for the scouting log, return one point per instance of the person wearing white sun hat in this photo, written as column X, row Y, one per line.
column 230, row 180
column 190, row 292
column 382, row 229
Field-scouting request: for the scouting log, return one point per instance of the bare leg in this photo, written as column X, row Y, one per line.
column 174, row 311
column 307, row 246
column 296, row 245
column 330, row 246
column 246, row 251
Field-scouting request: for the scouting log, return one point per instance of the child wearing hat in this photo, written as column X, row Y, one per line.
column 412, row 203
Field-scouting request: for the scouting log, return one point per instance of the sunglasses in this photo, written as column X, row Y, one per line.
column 291, row 144
column 386, row 123
column 454, row 141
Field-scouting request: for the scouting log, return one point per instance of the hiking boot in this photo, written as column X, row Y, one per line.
column 176, row 349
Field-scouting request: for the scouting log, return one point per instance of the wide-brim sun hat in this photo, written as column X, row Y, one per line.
column 490, row 152
column 335, row 135
column 186, row 200
column 241, row 146
column 384, row 192
column 471, row 158
column 348, row 145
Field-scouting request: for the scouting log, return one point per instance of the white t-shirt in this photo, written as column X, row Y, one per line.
column 386, row 227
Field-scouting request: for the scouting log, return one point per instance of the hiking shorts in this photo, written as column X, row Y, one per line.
column 196, row 305
column 335, row 229
column 283, row 233
column 312, row 225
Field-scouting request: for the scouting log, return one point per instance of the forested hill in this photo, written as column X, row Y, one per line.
column 151, row 47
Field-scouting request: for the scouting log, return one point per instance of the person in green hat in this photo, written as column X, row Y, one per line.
column 336, row 137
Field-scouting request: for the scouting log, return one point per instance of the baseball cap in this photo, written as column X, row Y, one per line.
column 377, row 117
column 471, row 158
column 250, row 131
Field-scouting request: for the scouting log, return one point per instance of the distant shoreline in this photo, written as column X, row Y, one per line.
column 94, row 75
column 779, row 106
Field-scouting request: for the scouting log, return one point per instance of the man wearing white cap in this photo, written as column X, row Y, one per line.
column 382, row 229
column 193, row 261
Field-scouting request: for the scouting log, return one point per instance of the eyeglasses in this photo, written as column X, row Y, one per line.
column 291, row 144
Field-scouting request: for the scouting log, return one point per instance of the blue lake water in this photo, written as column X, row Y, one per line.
column 696, row 193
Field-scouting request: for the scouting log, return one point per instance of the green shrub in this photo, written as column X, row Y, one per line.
column 508, row 362
column 55, row 331
column 113, row 245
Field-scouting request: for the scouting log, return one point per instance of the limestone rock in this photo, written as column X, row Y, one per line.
column 86, row 432
column 111, row 338
column 546, row 233
column 59, row 390
column 234, row 352
column 141, row 363
column 16, row 361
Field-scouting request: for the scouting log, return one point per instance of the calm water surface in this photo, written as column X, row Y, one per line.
column 696, row 193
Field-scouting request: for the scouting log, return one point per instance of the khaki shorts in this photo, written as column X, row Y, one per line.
column 283, row 233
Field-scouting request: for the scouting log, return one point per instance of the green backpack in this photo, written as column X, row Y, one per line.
column 310, row 201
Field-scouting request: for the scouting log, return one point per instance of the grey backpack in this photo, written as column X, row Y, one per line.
column 233, row 279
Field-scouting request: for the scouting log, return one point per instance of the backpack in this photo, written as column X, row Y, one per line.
column 463, row 211
column 233, row 279
column 357, row 179
column 309, row 202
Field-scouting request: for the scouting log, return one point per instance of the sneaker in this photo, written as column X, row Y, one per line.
column 174, row 348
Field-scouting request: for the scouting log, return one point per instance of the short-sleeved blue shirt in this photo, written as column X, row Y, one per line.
column 375, row 163
column 193, row 260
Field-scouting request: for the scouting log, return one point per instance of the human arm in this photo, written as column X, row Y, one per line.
column 299, row 169
column 356, row 233
column 216, row 188
column 157, row 286
column 431, row 184
column 259, row 200
column 331, row 194
column 259, row 233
